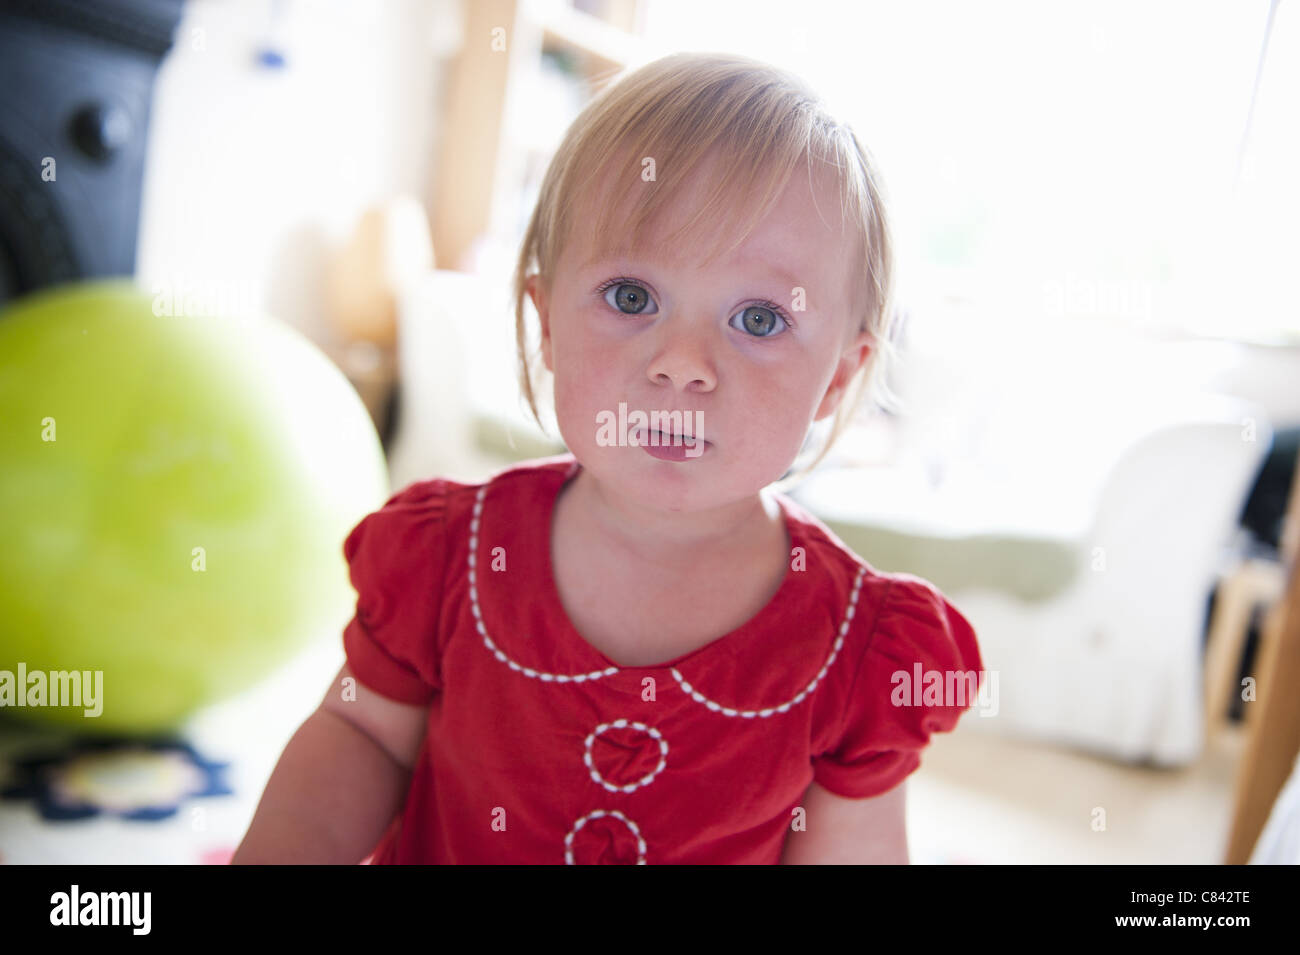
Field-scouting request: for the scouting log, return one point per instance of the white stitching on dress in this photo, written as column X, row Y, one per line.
column 596, row 814
column 610, row 671
column 750, row 714
column 620, row 724
column 478, row 616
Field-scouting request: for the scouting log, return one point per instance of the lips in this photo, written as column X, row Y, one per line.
column 671, row 438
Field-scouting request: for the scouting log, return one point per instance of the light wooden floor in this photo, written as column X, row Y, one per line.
column 980, row 798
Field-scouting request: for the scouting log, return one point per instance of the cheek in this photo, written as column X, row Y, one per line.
column 769, row 427
column 791, row 392
column 581, row 370
column 583, row 385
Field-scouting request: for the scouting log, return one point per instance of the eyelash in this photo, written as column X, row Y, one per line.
column 776, row 309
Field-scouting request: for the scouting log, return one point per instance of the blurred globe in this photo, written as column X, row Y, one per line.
column 174, row 496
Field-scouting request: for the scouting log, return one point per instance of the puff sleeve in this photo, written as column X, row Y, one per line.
column 395, row 560
column 917, row 675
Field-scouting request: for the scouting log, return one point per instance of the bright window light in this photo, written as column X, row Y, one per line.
column 1053, row 161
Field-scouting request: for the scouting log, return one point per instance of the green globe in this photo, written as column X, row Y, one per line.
column 174, row 496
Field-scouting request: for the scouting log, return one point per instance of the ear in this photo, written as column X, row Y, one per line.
column 535, row 291
column 852, row 358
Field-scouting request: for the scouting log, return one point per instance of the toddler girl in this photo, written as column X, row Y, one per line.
column 639, row 651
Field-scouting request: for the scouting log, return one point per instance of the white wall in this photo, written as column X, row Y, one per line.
column 255, row 175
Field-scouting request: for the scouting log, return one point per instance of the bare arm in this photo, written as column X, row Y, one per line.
column 339, row 782
column 844, row 831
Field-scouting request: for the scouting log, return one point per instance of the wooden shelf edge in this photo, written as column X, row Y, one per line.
column 599, row 42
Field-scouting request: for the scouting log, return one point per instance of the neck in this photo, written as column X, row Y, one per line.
column 662, row 539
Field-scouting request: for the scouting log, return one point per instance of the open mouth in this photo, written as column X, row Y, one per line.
column 668, row 438
column 671, row 447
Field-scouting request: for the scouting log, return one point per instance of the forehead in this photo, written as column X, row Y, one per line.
column 803, row 239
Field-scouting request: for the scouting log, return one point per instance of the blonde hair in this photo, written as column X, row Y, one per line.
column 686, row 107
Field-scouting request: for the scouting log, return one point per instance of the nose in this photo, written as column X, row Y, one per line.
column 682, row 360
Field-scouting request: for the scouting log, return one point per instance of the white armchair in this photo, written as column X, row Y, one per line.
column 1102, row 648
column 1114, row 663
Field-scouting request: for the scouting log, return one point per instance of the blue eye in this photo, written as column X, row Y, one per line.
column 761, row 320
column 629, row 297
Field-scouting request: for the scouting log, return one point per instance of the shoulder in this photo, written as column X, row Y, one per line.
column 894, row 626
column 912, row 667
column 884, row 607
column 525, row 480
column 437, row 503
column 912, row 635
column 833, row 564
column 400, row 561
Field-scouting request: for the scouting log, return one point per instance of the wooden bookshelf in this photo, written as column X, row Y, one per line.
column 482, row 161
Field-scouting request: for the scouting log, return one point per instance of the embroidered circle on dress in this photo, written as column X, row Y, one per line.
column 645, row 780
column 654, row 734
column 598, row 814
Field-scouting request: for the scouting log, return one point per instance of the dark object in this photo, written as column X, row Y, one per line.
column 1263, row 516
column 39, row 779
column 1245, row 666
column 100, row 131
column 391, row 416
column 76, row 83
column 1265, row 509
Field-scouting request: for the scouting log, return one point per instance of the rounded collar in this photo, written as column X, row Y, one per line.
column 539, row 556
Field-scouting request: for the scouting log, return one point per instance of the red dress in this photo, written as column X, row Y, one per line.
column 541, row 750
